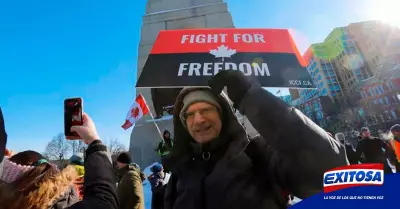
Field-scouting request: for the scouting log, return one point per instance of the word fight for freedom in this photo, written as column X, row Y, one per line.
column 210, row 69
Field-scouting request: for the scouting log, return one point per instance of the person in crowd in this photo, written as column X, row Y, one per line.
column 33, row 183
column 39, row 182
column 165, row 145
column 350, row 152
column 395, row 144
column 77, row 162
column 214, row 164
column 130, row 189
column 158, row 185
column 371, row 147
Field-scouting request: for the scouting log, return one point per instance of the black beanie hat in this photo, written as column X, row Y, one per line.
column 124, row 157
column 363, row 129
column 166, row 132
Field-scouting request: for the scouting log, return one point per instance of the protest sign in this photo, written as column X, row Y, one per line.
column 182, row 58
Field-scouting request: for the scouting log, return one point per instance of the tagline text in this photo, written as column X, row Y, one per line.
column 357, row 197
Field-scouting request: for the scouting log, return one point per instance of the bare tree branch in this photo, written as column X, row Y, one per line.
column 58, row 148
column 115, row 147
column 76, row 146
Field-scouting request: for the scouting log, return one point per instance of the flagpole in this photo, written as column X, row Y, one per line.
column 152, row 117
column 158, row 129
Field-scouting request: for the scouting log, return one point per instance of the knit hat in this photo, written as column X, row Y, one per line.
column 340, row 137
column 363, row 129
column 75, row 159
column 395, row 129
column 166, row 132
column 156, row 168
column 124, row 157
column 198, row 96
column 12, row 171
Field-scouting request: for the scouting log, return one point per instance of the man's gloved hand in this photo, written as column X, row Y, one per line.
column 258, row 150
column 235, row 81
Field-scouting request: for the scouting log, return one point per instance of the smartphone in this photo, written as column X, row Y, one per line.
column 73, row 108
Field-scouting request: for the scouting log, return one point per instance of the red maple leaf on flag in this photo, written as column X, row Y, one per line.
column 135, row 112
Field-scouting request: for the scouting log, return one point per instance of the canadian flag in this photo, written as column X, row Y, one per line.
column 137, row 111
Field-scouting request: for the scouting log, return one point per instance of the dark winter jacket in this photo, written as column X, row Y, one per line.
column 350, row 153
column 100, row 190
column 158, row 187
column 283, row 158
column 371, row 147
column 130, row 189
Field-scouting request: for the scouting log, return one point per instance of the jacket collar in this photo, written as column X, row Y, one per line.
column 124, row 170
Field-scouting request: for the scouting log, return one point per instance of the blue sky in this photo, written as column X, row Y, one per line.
column 51, row 50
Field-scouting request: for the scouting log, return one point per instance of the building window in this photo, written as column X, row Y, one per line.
column 394, row 99
column 390, row 84
column 393, row 114
column 387, row 100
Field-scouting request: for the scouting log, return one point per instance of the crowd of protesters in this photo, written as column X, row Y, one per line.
column 212, row 162
column 384, row 149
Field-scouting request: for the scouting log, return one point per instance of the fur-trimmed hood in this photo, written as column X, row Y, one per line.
column 55, row 193
column 232, row 128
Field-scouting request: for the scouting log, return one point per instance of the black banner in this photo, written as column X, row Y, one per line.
column 195, row 69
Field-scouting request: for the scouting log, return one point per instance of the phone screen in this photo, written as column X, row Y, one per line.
column 72, row 116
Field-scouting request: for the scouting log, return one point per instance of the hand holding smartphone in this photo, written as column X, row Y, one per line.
column 73, row 108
